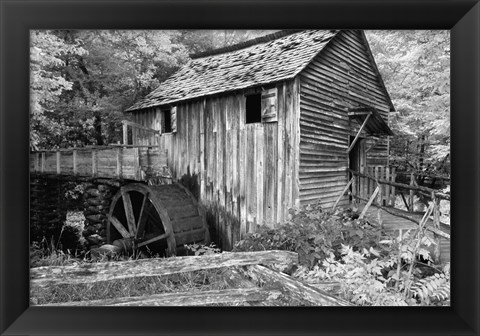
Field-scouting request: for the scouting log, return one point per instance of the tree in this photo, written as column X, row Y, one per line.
column 415, row 68
column 47, row 82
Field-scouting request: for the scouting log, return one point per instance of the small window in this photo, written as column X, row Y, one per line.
column 167, row 121
column 253, row 109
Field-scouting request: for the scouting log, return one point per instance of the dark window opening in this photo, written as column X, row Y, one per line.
column 167, row 121
column 253, row 109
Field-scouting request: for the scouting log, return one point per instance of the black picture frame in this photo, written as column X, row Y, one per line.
column 17, row 17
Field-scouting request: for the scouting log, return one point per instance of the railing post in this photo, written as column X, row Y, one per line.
column 74, row 159
column 119, row 162
column 42, row 169
column 436, row 224
column 136, row 163
column 387, row 186
column 392, row 189
column 94, row 162
column 410, row 200
column 58, row 163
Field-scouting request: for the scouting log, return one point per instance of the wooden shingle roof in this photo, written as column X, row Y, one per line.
column 270, row 60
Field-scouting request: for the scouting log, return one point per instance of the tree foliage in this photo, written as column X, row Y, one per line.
column 83, row 80
column 415, row 66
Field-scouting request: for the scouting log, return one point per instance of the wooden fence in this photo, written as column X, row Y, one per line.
column 244, row 271
column 380, row 189
column 113, row 161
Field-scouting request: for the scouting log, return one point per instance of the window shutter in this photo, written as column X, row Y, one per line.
column 173, row 115
column 269, row 105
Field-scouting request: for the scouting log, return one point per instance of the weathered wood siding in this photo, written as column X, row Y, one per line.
column 341, row 77
column 245, row 174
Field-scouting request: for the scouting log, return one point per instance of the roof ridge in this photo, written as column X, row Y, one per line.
column 246, row 44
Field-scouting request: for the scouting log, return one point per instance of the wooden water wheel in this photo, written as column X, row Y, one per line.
column 162, row 218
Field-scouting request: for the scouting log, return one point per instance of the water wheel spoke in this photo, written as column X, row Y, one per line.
column 142, row 217
column 127, row 203
column 119, row 226
column 154, row 239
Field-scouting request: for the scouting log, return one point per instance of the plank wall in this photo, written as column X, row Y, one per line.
column 244, row 174
column 341, row 77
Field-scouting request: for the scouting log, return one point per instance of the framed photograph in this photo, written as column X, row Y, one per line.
column 20, row 315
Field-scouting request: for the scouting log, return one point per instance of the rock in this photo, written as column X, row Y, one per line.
column 94, row 239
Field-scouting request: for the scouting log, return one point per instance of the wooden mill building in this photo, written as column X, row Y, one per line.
column 270, row 124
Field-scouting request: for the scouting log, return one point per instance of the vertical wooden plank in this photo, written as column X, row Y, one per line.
column 94, row 162
column 74, row 161
column 296, row 142
column 243, row 178
column 58, row 162
column 125, row 133
column 136, row 163
column 251, row 180
column 119, row 162
column 288, row 147
column 37, row 162
column 42, row 169
column 203, row 173
column 259, row 160
column 280, row 201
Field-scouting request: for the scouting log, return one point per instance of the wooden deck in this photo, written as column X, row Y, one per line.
column 132, row 162
column 393, row 224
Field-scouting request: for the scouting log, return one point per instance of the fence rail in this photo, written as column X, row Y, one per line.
column 113, row 161
column 276, row 284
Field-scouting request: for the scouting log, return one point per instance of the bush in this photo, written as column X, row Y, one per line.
column 314, row 234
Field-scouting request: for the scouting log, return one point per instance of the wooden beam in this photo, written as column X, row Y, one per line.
column 359, row 131
column 90, row 273
column 343, row 192
column 404, row 186
column 370, row 201
column 293, row 288
column 225, row 296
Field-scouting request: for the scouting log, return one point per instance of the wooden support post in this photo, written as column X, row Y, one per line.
column 358, row 134
column 136, row 163
column 94, row 162
column 410, row 200
column 58, row 163
column 370, row 201
column 392, row 189
column 343, row 192
column 43, row 162
column 119, row 162
column 74, row 159
column 37, row 162
column 436, row 224
column 387, row 187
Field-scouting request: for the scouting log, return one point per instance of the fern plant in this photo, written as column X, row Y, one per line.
column 434, row 289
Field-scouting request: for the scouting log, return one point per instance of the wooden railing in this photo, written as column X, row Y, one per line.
column 379, row 188
column 276, row 284
column 113, row 161
column 136, row 134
